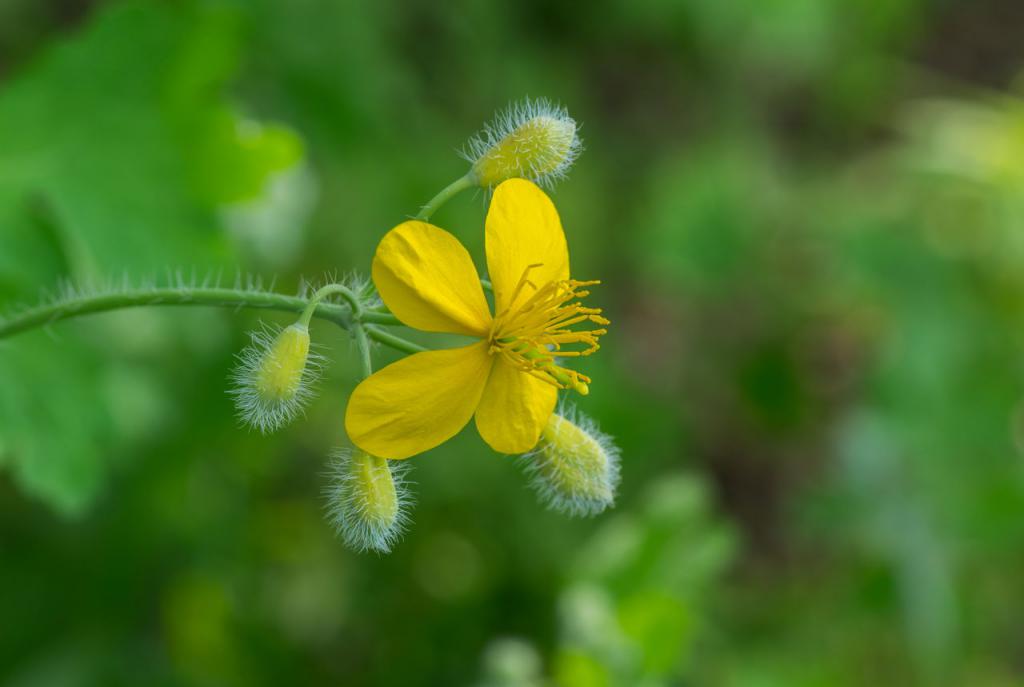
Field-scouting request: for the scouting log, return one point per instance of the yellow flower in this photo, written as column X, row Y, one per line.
column 509, row 379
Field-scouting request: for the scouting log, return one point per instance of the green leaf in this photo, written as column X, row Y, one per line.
column 120, row 152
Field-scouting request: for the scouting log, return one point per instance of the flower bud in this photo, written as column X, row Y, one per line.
column 575, row 467
column 273, row 377
column 367, row 500
column 533, row 140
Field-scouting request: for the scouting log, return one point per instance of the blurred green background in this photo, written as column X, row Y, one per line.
column 808, row 216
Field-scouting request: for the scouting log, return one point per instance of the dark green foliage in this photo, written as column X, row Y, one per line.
column 806, row 215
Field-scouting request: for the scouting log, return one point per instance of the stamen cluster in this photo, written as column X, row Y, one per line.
column 531, row 335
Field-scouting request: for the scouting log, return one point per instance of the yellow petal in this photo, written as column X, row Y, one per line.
column 523, row 229
column 514, row 409
column 427, row 279
column 418, row 402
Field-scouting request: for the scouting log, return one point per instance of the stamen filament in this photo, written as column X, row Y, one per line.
column 531, row 335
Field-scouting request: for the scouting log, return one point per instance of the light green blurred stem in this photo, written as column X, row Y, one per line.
column 77, row 306
column 389, row 339
column 360, row 337
column 457, row 186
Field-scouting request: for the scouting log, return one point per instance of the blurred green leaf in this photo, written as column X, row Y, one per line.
column 118, row 149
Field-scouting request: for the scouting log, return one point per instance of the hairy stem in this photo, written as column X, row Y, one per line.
column 76, row 306
column 329, row 290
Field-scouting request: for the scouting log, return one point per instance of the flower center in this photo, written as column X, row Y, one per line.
column 531, row 334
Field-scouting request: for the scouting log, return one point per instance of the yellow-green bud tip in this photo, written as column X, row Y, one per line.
column 273, row 377
column 367, row 500
column 575, row 467
column 533, row 140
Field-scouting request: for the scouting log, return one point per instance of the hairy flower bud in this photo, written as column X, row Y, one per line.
column 575, row 467
column 273, row 377
column 532, row 140
column 368, row 500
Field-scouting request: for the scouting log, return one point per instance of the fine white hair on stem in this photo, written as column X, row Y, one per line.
column 69, row 292
column 533, row 138
column 256, row 409
column 575, row 467
column 367, row 512
column 354, row 280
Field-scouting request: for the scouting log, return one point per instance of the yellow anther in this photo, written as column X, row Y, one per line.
column 533, row 333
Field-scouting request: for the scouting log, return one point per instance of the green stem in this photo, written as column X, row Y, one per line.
column 77, row 306
column 329, row 290
column 363, row 346
column 389, row 339
column 460, row 184
column 383, row 318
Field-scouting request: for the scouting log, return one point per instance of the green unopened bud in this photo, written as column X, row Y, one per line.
column 280, row 375
column 368, row 500
column 575, row 467
column 273, row 377
column 532, row 140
